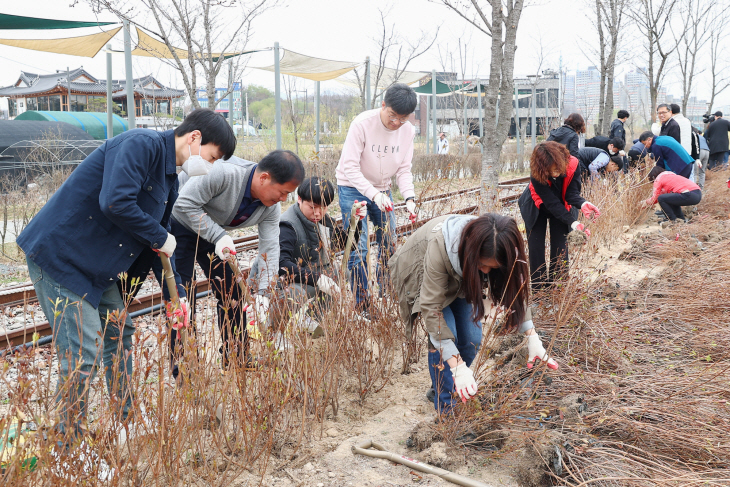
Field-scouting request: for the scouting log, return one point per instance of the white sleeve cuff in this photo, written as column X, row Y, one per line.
column 574, row 225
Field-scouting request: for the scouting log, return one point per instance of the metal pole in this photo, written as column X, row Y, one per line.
column 428, row 118
column 433, row 96
column 277, row 94
column 368, row 104
column 68, row 82
column 247, row 109
column 465, row 125
column 244, row 121
column 131, row 108
column 517, row 127
column 479, row 104
column 316, row 117
column 534, row 114
column 230, row 94
column 109, row 114
column 545, row 123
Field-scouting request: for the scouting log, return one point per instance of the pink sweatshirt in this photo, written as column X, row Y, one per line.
column 373, row 154
column 668, row 182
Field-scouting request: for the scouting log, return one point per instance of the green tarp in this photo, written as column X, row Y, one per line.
column 441, row 89
column 15, row 22
column 93, row 123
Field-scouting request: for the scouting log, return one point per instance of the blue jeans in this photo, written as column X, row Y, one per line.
column 82, row 335
column 384, row 224
column 467, row 338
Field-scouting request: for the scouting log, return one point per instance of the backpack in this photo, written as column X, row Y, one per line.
column 695, row 146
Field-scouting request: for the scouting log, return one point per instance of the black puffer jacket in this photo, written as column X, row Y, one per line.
column 567, row 136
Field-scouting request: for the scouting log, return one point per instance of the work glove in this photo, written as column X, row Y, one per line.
column 178, row 316
column 261, row 308
column 362, row 209
column 581, row 228
column 327, row 285
column 225, row 247
column 464, row 382
column 169, row 246
column 622, row 153
column 535, row 351
column 411, row 207
column 589, row 210
column 383, row 202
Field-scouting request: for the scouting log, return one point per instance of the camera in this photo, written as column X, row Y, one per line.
column 708, row 118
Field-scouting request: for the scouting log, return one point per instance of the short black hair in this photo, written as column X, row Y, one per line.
column 718, row 113
column 675, row 108
column 213, row 127
column 663, row 105
column 619, row 161
column 646, row 135
column 622, row 114
column 618, row 143
column 655, row 171
column 317, row 190
column 283, row 166
column 401, row 98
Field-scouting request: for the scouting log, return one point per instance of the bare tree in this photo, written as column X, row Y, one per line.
column 696, row 31
column 194, row 31
column 719, row 75
column 498, row 19
column 653, row 18
column 292, row 103
column 607, row 22
column 395, row 54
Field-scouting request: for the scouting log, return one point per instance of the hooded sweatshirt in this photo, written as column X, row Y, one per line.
column 567, row 136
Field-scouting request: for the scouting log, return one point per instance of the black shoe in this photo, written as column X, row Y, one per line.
column 659, row 213
column 431, row 395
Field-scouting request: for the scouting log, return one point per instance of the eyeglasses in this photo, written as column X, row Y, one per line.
column 396, row 119
column 663, row 112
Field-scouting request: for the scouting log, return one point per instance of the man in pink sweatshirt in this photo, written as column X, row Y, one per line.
column 379, row 145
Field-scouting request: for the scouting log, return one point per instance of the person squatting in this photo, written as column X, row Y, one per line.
column 178, row 193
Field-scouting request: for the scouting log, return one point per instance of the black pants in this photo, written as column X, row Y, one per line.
column 672, row 203
column 541, row 275
column 231, row 319
column 716, row 160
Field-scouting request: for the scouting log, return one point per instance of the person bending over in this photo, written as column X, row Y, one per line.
column 569, row 134
column 672, row 192
column 553, row 196
column 444, row 271
column 594, row 161
column 236, row 194
column 307, row 238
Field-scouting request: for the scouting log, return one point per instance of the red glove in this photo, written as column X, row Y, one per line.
column 583, row 229
column 590, row 211
column 362, row 211
column 178, row 316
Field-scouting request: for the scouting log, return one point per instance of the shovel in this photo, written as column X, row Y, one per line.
column 364, row 448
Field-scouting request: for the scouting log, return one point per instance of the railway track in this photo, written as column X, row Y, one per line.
column 24, row 294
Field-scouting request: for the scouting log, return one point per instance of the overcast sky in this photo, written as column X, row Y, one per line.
column 344, row 30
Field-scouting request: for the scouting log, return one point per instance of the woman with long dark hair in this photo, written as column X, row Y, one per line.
column 459, row 272
column 569, row 134
column 553, row 196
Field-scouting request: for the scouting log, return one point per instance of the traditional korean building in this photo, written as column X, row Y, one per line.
column 50, row 92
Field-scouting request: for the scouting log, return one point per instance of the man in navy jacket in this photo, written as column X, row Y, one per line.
column 668, row 153
column 110, row 217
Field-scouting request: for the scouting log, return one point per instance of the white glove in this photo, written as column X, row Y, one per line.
column 622, row 153
column 464, row 382
column 169, row 246
column 327, row 285
column 383, row 202
column 535, row 351
column 411, row 206
column 362, row 211
column 261, row 308
column 225, row 243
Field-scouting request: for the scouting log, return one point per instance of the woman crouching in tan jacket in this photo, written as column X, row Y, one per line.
column 443, row 272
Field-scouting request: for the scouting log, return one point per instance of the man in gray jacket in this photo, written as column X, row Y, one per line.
column 236, row 193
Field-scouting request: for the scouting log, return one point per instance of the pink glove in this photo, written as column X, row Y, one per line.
column 178, row 316
column 582, row 228
column 590, row 211
column 362, row 211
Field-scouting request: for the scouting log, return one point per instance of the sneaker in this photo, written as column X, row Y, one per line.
column 431, row 395
column 83, row 459
column 140, row 424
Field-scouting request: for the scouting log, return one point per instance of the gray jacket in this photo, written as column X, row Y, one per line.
column 207, row 205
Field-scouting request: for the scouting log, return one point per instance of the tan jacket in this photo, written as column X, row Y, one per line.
column 426, row 281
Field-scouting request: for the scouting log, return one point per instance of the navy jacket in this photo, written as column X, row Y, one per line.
column 106, row 216
column 671, row 128
column 617, row 130
column 717, row 136
column 671, row 155
column 567, row 136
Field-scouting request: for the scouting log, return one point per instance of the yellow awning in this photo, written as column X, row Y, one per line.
column 86, row 46
column 150, row 47
column 316, row 69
